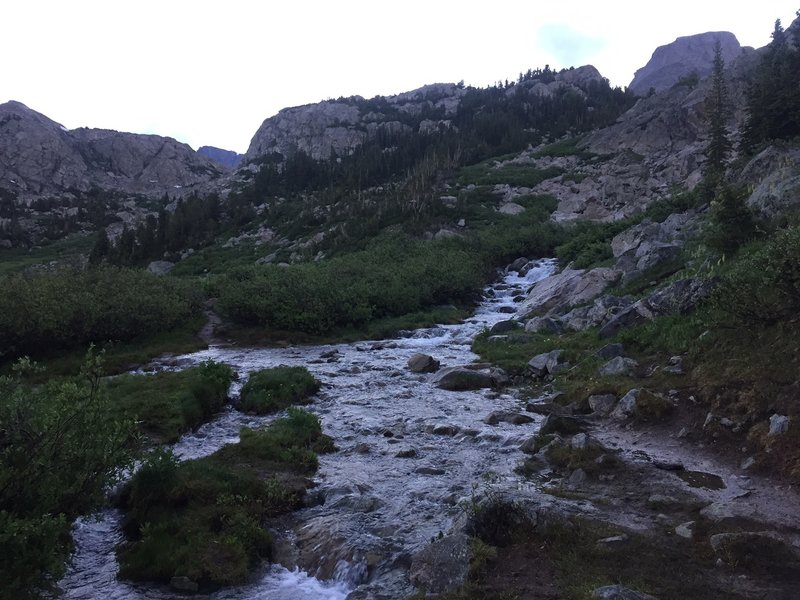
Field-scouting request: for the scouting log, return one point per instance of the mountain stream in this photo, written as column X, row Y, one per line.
column 371, row 509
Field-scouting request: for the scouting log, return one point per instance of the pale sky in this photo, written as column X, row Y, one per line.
column 208, row 73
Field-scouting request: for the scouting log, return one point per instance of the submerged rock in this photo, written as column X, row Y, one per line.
column 459, row 379
column 507, row 416
column 422, row 363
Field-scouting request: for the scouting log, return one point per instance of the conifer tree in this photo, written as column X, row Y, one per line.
column 719, row 144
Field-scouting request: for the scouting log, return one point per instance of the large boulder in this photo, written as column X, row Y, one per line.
column 459, row 379
column 545, row 364
column 557, row 293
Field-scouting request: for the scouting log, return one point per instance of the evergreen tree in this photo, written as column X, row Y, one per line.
column 719, row 144
column 101, row 248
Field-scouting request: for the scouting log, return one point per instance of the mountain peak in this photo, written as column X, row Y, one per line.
column 686, row 55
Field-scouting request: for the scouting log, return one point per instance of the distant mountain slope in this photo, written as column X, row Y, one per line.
column 226, row 158
column 39, row 157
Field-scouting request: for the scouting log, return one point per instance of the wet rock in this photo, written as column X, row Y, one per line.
column 330, row 354
column 503, row 326
column 667, row 465
column 183, row 584
column 442, row 566
column 778, row 424
column 429, row 471
column 548, row 408
column 461, row 379
column 563, row 425
column 509, row 310
column 499, row 377
column 610, row 351
column 361, row 448
column 602, row 404
column 518, row 264
column 685, row 530
column 618, row 592
column 618, row 366
column 530, row 446
column 450, row 430
column 358, row 504
column 422, row 363
column 505, row 416
column 544, row 364
column 569, row 288
column 410, row 453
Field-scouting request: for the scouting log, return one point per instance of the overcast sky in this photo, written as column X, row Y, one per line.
column 208, row 73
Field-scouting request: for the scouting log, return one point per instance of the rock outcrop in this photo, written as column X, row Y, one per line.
column 39, row 157
column 693, row 54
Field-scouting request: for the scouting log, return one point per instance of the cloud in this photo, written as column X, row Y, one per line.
column 568, row 47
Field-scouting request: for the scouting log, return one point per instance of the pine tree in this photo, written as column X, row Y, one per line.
column 719, row 145
column 101, row 248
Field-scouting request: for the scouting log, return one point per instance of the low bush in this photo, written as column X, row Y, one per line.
column 763, row 285
column 46, row 313
column 204, row 519
column 273, row 389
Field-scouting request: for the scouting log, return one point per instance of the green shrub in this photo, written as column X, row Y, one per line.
column 273, row 389
column 590, row 243
column 731, row 222
column 49, row 312
column 203, row 519
column 60, row 448
column 763, row 284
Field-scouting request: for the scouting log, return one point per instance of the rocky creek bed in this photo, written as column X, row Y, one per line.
column 390, row 509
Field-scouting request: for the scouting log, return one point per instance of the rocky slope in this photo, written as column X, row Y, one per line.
column 39, row 157
column 337, row 127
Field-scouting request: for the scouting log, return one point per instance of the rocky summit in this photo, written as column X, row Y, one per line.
column 686, row 56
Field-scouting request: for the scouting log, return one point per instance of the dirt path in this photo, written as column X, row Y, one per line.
column 208, row 333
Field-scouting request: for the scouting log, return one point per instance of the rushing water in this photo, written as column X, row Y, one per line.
column 371, row 509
